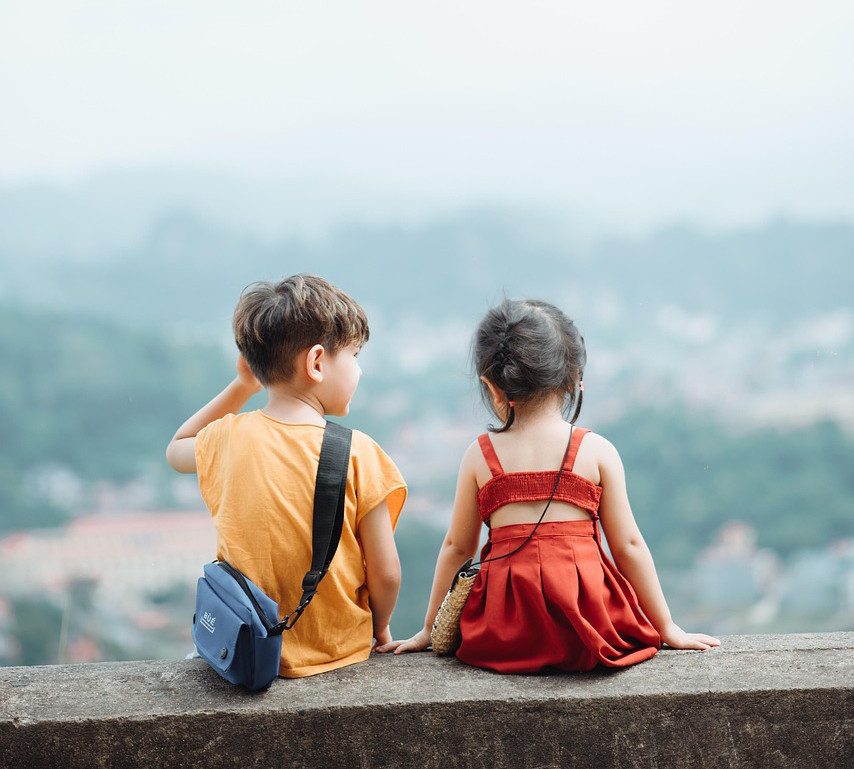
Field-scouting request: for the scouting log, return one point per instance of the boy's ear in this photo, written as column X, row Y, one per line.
column 314, row 360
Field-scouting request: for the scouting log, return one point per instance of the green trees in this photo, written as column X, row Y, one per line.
column 91, row 399
column 688, row 473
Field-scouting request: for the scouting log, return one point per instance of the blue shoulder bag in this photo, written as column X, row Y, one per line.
column 236, row 626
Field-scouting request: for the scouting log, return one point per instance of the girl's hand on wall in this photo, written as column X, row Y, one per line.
column 675, row 637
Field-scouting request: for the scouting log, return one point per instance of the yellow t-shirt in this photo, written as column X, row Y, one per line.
column 257, row 477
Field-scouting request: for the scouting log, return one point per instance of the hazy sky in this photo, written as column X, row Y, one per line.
column 634, row 111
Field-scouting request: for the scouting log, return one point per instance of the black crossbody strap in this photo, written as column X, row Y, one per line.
column 329, row 496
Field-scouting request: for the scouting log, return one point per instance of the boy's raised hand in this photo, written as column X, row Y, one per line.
column 180, row 453
column 246, row 377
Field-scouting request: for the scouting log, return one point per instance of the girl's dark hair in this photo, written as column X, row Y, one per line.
column 530, row 350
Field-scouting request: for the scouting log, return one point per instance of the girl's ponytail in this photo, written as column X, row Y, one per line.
column 578, row 401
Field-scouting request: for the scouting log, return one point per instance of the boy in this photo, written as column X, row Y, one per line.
column 299, row 338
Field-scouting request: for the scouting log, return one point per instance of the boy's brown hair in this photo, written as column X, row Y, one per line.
column 275, row 321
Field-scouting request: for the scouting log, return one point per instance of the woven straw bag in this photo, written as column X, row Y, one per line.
column 445, row 635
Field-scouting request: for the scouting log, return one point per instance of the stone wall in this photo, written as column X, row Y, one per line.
column 758, row 701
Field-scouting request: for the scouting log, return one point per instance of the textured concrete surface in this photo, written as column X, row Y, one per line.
column 758, row 701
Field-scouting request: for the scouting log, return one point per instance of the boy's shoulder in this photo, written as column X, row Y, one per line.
column 243, row 425
column 362, row 442
column 368, row 456
column 216, row 427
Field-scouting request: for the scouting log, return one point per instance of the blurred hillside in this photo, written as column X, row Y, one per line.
column 720, row 363
column 186, row 244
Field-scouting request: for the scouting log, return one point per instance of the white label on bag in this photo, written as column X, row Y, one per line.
column 208, row 621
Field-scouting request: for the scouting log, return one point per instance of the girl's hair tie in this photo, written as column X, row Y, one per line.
column 512, row 404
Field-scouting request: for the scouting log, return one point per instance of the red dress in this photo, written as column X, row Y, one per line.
column 559, row 602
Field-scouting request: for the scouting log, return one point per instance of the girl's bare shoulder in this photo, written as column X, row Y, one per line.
column 600, row 450
column 472, row 452
column 473, row 459
column 598, row 442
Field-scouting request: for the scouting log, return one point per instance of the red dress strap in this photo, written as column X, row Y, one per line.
column 578, row 434
column 489, row 455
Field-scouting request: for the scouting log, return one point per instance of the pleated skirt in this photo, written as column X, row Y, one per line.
column 557, row 603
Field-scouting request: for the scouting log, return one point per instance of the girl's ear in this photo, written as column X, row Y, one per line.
column 314, row 363
column 496, row 394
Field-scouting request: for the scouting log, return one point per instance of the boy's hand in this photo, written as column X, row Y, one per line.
column 181, row 451
column 418, row 643
column 246, row 377
column 382, row 638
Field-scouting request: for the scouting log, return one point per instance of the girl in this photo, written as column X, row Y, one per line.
column 546, row 596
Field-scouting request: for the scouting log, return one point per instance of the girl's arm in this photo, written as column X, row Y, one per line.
column 460, row 544
column 631, row 554
column 181, row 451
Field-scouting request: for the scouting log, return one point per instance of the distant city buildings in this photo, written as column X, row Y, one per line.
column 122, row 585
column 128, row 556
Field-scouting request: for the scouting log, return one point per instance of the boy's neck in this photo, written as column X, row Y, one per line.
column 286, row 404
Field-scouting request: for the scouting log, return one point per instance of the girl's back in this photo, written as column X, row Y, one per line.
column 539, row 447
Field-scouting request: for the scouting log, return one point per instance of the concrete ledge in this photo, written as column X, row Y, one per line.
column 759, row 701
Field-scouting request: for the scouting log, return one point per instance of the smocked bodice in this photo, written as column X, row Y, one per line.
column 531, row 486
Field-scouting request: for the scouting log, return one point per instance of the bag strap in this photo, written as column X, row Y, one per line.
column 330, row 492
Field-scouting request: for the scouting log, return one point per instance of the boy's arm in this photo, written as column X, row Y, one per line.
column 382, row 567
column 181, row 451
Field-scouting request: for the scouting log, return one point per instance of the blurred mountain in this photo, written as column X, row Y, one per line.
column 178, row 249
column 112, row 211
